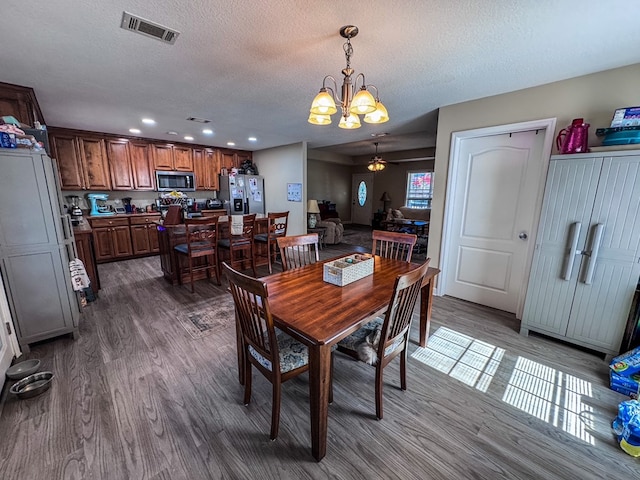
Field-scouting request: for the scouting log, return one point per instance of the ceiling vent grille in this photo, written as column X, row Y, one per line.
column 199, row 120
column 148, row 29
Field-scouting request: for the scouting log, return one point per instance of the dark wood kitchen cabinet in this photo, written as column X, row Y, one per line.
column 120, row 164
column 206, row 167
column 172, row 157
column 142, row 166
column 86, row 253
column 82, row 162
column 112, row 238
column 233, row 158
column 64, row 148
column 144, row 235
column 20, row 102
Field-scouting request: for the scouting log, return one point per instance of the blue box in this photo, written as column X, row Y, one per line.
column 626, row 117
column 624, row 384
column 7, row 140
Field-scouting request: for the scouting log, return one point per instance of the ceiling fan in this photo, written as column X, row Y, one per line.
column 377, row 163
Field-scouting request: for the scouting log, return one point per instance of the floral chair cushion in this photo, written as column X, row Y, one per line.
column 293, row 354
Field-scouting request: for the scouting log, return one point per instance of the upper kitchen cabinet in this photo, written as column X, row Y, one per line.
column 82, row 161
column 142, row 166
column 233, row 158
column 64, row 148
column 130, row 165
column 120, row 164
column 206, row 168
column 93, row 155
column 172, row 157
column 21, row 103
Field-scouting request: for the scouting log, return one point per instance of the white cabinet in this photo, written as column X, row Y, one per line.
column 587, row 258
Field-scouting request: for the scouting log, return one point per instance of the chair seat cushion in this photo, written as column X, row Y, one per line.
column 226, row 243
column 260, row 237
column 360, row 336
column 293, row 354
column 183, row 248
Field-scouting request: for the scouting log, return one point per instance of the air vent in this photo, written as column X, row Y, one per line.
column 147, row 28
column 199, row 120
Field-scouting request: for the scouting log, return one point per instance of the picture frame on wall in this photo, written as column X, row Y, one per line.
column 294, row 192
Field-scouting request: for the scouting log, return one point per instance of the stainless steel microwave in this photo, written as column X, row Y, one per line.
column 169, row 181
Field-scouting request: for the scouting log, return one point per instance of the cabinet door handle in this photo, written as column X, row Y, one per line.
column 572, row 250
column 592, row 254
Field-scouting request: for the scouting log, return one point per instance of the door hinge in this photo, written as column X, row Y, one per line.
column 8, row 328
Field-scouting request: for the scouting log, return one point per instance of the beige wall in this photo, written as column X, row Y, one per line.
column 593, row 97
column 279, row 166
column 330, row 181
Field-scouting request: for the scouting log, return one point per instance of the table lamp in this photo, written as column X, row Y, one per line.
column 312, row 210
column 386, row 201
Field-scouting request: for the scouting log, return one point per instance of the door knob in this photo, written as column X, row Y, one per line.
column 523, row 236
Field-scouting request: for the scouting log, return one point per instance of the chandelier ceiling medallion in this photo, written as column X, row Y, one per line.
column 377, row 163
column 363, row 103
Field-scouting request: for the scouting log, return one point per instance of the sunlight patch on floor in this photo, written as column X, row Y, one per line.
column 539, row 390
column 552, row 396
column 464, row 358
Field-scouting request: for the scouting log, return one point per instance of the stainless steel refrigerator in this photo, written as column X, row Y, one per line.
column 242, row 194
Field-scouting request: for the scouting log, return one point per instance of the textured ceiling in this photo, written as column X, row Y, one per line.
column 254, row 67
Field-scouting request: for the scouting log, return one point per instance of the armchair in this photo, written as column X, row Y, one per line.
column 334, row 232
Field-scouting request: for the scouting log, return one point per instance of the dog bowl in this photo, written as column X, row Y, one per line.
column 32, row 385
column 23, row 369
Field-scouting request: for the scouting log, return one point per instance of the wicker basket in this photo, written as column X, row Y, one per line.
column 346, row 270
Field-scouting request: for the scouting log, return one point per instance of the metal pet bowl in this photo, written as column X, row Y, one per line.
column 23, row 369
column 32, row 385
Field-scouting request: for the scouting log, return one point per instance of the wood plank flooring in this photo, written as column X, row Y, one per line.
column 136, row 397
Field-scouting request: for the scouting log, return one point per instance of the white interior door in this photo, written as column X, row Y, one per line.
column 6, row 348
column 493, row 198
column 361, row 201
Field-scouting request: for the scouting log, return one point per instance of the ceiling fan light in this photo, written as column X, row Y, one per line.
column 380, row 114
column 363, row 102
column 351, row 122
column 323, row 104
column 319, row 119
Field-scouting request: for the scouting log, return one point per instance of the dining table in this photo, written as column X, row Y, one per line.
column 320, row 314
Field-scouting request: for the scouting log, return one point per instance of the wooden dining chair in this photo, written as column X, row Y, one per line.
column 201, row 243
column 277, row 227
column 396, row 245
column 276, row 355
column 298, row 250
column 240, row 247
column 393, row 330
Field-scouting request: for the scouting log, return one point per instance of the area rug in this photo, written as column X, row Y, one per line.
column 219, row 314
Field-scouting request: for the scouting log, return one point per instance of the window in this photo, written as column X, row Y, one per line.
column 419, row 189
column 362, row 193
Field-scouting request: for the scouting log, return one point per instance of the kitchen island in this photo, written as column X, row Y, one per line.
column 171, row 235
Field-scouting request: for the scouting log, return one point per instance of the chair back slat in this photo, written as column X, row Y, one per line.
column 394, row 245
column 298, row 250
column 278, row 224
column 202, row 235
column 398, row 316
column 253, row 315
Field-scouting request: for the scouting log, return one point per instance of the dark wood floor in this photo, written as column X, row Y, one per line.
column 136, row 397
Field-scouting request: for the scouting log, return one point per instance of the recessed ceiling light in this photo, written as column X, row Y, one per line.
column 188, row 137
column 148, row 121
column 384, row 134
column 171, row 132
column 231, row 144
column 207, row 131
column 252, row 139
column 135, row 130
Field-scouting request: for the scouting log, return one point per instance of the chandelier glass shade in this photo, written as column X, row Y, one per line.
column 363, row 102
column 376, row 164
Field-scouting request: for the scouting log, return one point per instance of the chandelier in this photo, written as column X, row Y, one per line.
column 363, row 103
column 376, row 164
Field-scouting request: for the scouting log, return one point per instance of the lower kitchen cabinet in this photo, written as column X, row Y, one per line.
column 111, row 238
column 123, row 237
column 144, row 235
column 86, row 253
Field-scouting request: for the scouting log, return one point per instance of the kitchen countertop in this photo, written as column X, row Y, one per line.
column 123, row 215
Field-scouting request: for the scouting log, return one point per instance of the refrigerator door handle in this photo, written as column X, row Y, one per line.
column 572, row 250
column 592, row 253
column 67, row 227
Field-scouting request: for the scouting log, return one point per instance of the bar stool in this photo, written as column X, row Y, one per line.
column 277, row 228
column 239, row 242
